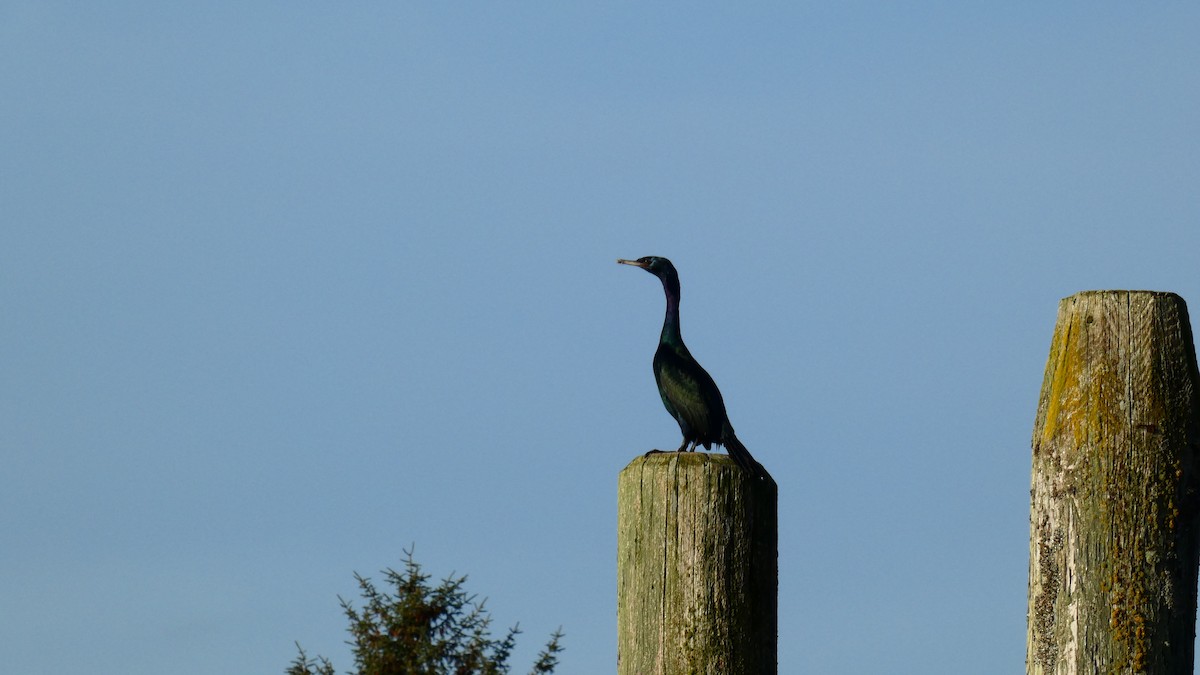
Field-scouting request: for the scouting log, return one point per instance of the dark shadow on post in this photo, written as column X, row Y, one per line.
column 697, row 568
column 1114, row 500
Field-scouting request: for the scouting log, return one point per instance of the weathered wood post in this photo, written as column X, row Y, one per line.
column 1113, row 529
column 697, row 574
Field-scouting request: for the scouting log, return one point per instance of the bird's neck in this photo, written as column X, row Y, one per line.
column 670, row 330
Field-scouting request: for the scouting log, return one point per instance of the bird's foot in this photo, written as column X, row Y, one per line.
column 654, row 452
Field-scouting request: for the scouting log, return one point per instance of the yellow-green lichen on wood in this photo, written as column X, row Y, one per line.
column 1114, row 502
column 697, row 578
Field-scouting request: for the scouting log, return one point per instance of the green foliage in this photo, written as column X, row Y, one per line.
column 423, row 630
column 306, row 666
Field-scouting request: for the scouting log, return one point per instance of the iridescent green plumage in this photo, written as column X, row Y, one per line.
column 687, row 390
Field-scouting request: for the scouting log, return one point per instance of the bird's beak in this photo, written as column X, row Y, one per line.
column 635, row 263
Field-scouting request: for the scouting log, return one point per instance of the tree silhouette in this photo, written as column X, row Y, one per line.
column 422, row 630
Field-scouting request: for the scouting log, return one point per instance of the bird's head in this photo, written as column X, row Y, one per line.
column 659, row 267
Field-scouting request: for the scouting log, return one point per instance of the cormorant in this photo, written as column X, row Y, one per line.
column 687, row 390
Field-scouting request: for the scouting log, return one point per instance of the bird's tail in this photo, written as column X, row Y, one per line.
column 742, row 456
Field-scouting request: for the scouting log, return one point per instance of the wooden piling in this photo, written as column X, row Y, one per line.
column 1113, row 548
column 697, row 575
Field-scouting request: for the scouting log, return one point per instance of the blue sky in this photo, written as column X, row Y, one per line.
column 289, row 288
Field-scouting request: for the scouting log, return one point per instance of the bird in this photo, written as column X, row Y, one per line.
column 688, row 392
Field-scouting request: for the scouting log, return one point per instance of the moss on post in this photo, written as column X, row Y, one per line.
column 697, row 576
column 1114, row 501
